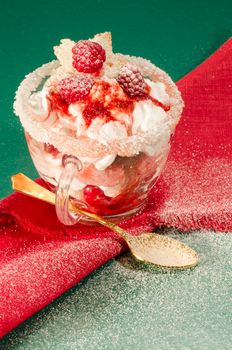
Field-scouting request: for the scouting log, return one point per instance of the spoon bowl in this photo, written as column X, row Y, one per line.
column 162, row 251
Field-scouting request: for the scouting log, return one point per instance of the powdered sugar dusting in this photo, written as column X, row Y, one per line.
column 196, row 211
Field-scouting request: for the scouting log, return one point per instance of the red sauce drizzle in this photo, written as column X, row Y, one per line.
column 96, row 109
column 154, row 100
column 158, row 103
column 57, row 103
column 99, row 108
column 126, row 106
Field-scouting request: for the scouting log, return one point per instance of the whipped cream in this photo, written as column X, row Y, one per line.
column 158, row 91
column 107, row 132
column 145, row 117
column 39, row 104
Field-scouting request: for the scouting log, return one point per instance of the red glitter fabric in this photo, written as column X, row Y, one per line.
column 40, row 258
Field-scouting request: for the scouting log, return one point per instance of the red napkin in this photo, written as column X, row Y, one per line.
column 40, row 258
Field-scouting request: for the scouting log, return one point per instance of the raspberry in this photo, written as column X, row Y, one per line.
column 73, row 89
column 95, row 197
column 88, row 56
column 131, row 81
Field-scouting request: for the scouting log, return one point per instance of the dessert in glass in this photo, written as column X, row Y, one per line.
column 98, row 127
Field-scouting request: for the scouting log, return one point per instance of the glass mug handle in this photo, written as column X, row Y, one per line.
column 71, row 166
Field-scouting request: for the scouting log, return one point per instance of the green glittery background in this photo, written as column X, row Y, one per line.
column 117, row 307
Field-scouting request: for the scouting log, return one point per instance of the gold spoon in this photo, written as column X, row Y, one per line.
column 158, row 250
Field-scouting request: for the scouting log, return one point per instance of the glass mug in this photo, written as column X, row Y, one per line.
column 118, row 191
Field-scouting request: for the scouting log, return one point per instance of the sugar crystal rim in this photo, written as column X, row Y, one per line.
column 84, row 146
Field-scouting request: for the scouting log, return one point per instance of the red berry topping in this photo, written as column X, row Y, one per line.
column 73, row 89
column 88, row 56
column 95, row 197
column 94, row 110
column 131, row 81
column 51, row 149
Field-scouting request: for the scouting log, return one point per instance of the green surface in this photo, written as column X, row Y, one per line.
column 182, row 311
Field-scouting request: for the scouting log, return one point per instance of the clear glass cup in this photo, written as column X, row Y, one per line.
column 128, row 179
column 116, row 192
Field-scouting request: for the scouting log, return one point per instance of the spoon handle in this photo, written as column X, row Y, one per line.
column 153, row 249
column 24, row 184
